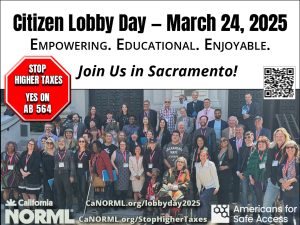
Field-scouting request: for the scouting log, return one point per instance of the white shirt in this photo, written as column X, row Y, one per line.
column 206, row 175
column 209, row 112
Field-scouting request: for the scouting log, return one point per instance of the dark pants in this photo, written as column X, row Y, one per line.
column 122, row 195
column 223, row 194
column 205, row 202
column 64, row 190
column 195, row 194
column 102, row 195
column 235, row 187
column 259, row 192
column 81, row 187
column 50, row 193
column 291, row 201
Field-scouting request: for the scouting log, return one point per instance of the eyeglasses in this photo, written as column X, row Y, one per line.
column 81, row 141
column 167, row 101
column 289, row 147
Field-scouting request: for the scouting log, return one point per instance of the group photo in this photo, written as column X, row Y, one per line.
column 202, row 147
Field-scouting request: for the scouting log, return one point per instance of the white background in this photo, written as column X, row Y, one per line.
column 284, row 45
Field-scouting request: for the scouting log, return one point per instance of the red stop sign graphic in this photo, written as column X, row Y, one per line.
column 37, row 88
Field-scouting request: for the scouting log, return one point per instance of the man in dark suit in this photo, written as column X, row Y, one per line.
column 260, row 130
column 249, row 111
column 218, row 124
column 237, row 143
column 208, row 133
column 58, row 129
column 185, row 138
column 194, row 106
column 77, row 126
column 150, row 113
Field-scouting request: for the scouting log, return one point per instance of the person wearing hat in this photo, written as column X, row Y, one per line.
column 153, row 158
column 152, row 188
column 260, row 130
column 71, row 142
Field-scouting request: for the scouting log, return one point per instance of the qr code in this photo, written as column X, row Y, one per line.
column 279, row 82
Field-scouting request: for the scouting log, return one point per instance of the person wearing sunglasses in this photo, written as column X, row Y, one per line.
column 48, row 169
column 64, row 174
column 82, row 161
column 289, row 180
column 169, row 114
column 175, row 182
column 224, row 159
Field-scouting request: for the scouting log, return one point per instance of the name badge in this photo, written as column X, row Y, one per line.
column 10, row 167
column 61, row 164
column 262, row 166
column 80, row 165
column 275, row 163
column 150, row 165
column 125, row 165
column 25, row 168
column 220, row 162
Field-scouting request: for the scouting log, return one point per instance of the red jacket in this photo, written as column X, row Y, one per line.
column 103, row 163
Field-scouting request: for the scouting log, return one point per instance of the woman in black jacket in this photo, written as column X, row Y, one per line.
column 163, row 135
column 200, row 146
column 123, row 116
column 224, row 159
column 93, row 116
column 48, row 169
column 29, row 165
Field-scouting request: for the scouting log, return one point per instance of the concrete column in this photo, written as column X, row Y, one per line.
column 80, row 102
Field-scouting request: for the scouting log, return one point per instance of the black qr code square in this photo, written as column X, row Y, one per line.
column 279, row 82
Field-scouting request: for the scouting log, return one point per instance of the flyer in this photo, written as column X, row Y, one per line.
column 150, row 112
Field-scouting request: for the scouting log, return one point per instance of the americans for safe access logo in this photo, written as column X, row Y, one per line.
column 37, row 216
column 220, row 214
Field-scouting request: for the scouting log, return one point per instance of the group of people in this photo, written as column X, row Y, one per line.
column 158, row 155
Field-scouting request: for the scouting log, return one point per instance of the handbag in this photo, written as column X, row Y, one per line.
column 106, row 176
column 98, row 182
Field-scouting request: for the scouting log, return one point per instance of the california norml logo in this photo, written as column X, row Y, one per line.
column 10, row 203
column 37, row 216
